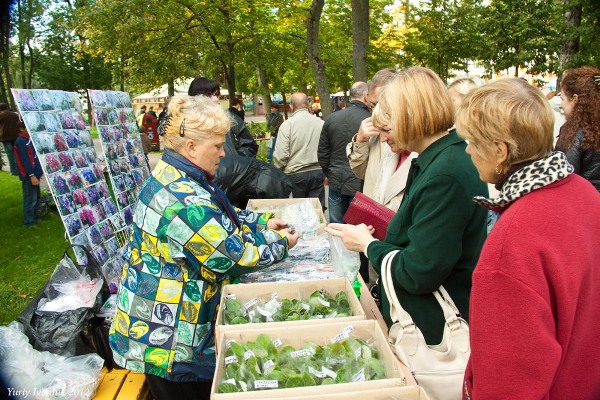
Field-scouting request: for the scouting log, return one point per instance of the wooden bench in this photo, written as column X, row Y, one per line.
column 122, row 384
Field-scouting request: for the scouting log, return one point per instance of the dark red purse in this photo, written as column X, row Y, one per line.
column 365, row 210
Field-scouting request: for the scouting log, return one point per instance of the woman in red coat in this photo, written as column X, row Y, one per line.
column 534, row 300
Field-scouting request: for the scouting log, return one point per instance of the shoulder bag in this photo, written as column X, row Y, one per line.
column 440, row 368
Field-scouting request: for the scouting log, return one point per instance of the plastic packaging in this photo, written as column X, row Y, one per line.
column 43, row 375
column 346, row 263
column 303, row 217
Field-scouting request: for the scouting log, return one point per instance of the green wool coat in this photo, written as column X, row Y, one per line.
column 440, row 232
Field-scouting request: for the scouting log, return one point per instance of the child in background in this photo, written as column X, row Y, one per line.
column 30, row 172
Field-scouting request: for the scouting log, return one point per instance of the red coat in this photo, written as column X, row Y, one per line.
column 535, row 300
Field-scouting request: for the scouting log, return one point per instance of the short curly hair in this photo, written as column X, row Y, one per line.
column 194, row 117
column 511, row 111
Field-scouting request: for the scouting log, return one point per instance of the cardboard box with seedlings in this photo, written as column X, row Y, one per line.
column 304, row 360
column 293, row 302
column 298, row 211
column 412, row 392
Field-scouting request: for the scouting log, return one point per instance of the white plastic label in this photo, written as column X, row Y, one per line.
column 231, row 296
column 262, row 384
column 359, row 376
column 329, row 372
column 277, row 342
column 301, row 353
column 230, row 359
column 248, row 354
column 318, row 374
column 250, row 303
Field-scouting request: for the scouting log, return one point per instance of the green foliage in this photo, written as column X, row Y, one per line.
column 28, row 255
column 259, row 364
column 318, row 305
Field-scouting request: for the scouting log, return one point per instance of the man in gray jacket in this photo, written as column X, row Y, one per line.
column 336, row 134
column 296, row 150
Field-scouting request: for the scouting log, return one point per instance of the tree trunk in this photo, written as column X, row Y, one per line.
column 285, row 108
column 314, row 56
column 170, row 87
column 5, row 28
column 264, row 90
column 360, row 39
column 571, row 46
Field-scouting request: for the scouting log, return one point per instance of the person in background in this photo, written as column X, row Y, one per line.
column 9, row 131
column 535, row 287
column 460, row 86
column 237, row 108
column 187, row 241
column 438, row 230
column 273, row 126
column 337, row 132
column 316, row 109
column 374, row 156
column 296, row 150
column 140, row 118
column 579, row 137
column 30, row 172
column 152, row 112
column 243, row 140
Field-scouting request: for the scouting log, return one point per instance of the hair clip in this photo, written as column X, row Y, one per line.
column 597, row 79
column 182, row 128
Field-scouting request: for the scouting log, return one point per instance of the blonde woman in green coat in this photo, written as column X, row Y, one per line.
column 438, row 229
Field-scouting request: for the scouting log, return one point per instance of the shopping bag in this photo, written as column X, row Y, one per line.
column 67, row 332
column 439, row 369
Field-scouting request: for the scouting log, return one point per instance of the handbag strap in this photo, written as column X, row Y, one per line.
column 398, row 313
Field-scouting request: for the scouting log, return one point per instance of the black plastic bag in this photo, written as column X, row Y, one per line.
column 245, row 178
column 70, row 332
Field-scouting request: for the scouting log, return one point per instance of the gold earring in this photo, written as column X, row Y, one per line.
column 498, row 170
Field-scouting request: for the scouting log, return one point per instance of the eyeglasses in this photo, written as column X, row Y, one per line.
column 182, row 128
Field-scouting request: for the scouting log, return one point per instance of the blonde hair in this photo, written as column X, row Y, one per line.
column 416, row 104
column 511, row 111
column 195, row 117
column 463, row 84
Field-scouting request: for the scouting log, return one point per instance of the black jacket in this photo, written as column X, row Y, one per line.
column 337, row 132
column 585, row 161
column 243, row 139
column 245, row 178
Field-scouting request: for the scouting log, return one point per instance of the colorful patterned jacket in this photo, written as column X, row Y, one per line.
column 186, row 242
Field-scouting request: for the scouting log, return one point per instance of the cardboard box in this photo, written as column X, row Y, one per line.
column 297, row 336
column 275, row 205
column 287, row 290
column 396, row 393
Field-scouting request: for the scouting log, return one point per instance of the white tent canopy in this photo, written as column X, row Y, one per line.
column 161, row 94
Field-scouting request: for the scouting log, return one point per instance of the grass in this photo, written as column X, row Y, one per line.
column 28, row 255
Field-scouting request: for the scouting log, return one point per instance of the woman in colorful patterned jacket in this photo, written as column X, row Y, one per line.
column 187, row 240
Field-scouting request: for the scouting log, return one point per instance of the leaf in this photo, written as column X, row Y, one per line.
column 228, row 388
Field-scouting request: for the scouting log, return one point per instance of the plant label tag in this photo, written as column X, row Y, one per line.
column 230, row 359
column 266, row 384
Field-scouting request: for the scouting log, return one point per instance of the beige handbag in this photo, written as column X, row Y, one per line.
column 439, row 369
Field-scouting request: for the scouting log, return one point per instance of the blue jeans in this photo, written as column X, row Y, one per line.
column 338, row 204
column 271, row 149
column 31, row 202
column 10, row 155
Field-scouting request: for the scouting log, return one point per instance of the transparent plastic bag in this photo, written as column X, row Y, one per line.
column 346, row 263
column 41, row 375
column 302, row 217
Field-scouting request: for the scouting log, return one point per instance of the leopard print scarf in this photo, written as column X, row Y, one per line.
column 533, row 176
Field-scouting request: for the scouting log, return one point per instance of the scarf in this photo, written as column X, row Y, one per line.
column 204, row 179
column 530, row 177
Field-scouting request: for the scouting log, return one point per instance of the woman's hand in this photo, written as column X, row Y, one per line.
column 355, row 237
column 292, row 236
column 276, row 224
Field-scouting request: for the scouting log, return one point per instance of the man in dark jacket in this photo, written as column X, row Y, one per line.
column 9, row 131
column 337, row 132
